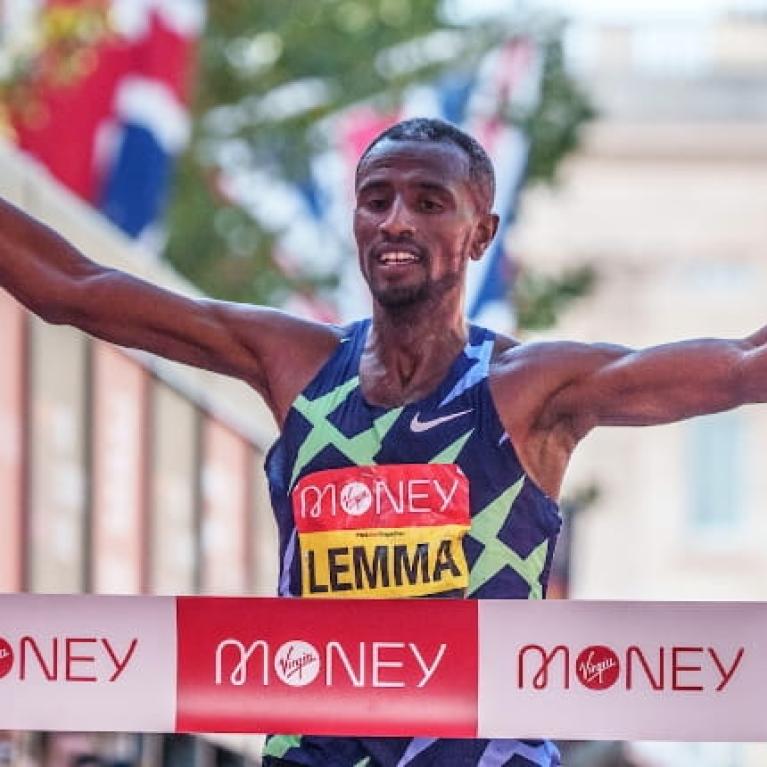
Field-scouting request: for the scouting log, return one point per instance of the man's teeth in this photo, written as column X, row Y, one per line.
column 399, row 257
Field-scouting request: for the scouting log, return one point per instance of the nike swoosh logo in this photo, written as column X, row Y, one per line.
column 417, row 425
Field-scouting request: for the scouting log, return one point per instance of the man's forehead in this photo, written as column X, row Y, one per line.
column 441, row 159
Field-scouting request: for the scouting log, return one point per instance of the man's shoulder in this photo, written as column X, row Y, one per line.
column 503, row 345
column 512, row 351
column 507, row 349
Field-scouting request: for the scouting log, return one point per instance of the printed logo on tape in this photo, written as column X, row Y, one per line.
column 597, row 667
column 327, row 667
column 94, row 659
column 297, row 663
column 678, row 668
column 6, row 657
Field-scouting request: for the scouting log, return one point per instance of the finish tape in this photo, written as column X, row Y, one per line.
column 431, row 668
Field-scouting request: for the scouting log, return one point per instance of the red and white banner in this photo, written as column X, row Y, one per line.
column 574, row 670
column 76, row 663
column 623, row 670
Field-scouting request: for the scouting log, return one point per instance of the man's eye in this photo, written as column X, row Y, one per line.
column 376, row 203
column 430, row 206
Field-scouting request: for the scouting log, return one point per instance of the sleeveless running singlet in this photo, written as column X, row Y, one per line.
column 428, row 499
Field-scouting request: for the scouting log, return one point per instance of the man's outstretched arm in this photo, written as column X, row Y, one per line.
column 49, row 276
column 550, row 395
column 603, row 385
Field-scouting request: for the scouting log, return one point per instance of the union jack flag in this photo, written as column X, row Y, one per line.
column 112, row 133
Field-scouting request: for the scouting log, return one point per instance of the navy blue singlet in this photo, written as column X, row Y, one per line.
column 497, row 543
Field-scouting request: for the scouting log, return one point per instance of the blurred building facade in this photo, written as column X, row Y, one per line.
column 121, row 473
column 668, row 199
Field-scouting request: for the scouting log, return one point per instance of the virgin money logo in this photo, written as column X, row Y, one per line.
column 664, row 668
column 597, row 667
column 297, row 663
column 94, row 659
column 401, row 495
column 356, row 498
column 6, row 658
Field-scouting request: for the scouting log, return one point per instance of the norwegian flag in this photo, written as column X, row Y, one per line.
column 113, row 133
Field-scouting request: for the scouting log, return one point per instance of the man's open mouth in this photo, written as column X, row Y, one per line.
column 397, row 257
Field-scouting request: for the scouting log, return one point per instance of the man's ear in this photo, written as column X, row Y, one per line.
column 486, row 229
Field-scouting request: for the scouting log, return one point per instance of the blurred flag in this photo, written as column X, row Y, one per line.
column 506, row 82
column 509, row 81
column 111, row 130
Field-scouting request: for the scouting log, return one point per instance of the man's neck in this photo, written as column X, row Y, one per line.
column 409, row 353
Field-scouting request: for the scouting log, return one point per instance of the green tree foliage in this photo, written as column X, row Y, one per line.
column 541, row 298
column 327, row 54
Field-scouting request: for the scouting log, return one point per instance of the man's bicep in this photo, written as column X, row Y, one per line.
column 234, row 339
column 128, row 311
column 657, row 385
column 58, row 283
column 539, row 387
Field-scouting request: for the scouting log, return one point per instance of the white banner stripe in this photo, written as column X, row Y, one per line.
column 621, row 670
column 81, row 663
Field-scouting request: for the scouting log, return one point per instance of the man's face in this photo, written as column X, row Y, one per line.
column 417, row 221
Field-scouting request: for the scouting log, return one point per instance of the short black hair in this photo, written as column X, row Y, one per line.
column 432, row 129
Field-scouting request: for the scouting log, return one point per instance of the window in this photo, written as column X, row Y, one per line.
column 716, row 471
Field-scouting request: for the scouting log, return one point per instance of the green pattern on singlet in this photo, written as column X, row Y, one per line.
column 279, row 745
column 453, row 450
column 485, row 527
column 360, row 449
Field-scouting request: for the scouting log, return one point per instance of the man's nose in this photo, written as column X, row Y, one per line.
column 397, row 222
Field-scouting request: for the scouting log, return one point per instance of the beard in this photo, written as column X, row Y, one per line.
column 402, row 299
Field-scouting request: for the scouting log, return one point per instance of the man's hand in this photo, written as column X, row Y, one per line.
column 275, row 353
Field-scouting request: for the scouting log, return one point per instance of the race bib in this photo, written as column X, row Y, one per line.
column 382, row 531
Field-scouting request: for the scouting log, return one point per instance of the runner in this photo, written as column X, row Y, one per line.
column 419, row 456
